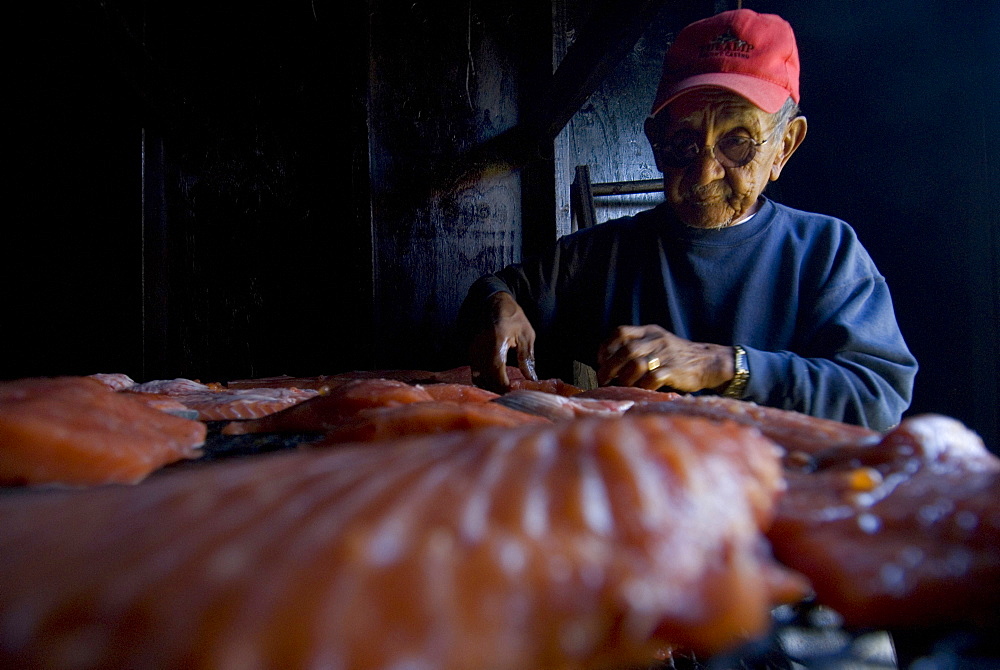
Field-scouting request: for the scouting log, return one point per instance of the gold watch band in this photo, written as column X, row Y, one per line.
column 738, row 385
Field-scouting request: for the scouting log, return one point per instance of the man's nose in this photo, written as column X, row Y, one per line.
column 706, row 166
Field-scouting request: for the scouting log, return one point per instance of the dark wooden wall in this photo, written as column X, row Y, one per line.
column 71, row 260
column 220, row 189
column 446, row 79
column 191, row 191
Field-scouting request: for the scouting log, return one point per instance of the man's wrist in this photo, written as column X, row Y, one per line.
column 737, row 386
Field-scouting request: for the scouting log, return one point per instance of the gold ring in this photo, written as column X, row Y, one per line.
column 652, row 363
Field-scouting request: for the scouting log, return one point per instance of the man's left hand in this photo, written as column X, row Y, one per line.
column 652, row 357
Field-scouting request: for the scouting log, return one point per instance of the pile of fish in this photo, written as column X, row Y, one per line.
column 432, row 524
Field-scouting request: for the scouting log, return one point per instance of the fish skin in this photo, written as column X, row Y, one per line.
column 166, row 403
column 75, row 431
column 175, row 387
column 243, row 404
column 115, row 381
column 215, row 402
column 560, row 546
column 558, row 407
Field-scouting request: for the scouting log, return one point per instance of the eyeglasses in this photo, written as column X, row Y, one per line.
column 732, row 151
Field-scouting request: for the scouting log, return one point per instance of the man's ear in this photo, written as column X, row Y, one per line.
column 790, row 141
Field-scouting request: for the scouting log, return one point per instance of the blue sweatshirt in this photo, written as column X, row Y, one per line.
column 796, row 290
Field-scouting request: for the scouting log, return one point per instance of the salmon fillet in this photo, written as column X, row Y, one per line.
column 595, row 543
column 166, row 403
column 633, row 393
column 242, row 404
column 558, row 407
column 214, row 402
column 800, row 434
column 554, row 386
column 326, row 383
column 463, row 375
column 75, row 431
column 326, row 412
column 903, row 533
column 321, row 383
column 459, row 393
column 422, row 418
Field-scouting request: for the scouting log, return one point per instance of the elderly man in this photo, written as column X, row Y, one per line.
column 719, row 289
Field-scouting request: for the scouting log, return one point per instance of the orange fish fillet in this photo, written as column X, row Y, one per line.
column 74, row 431
column 325, row 412
column 244, row 403
column 459, row 393
column 213, row 402
column 463, row 375
column 561, row 408
column 589, row 544
column 904, row 533
column 632, row 393
column 421, row 418
column 554, row 386
column 794, row 431
column 321, row 383
column 166, row 403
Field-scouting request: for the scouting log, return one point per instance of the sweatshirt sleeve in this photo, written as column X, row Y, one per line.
column 514, row 279
column 535, row 281
column 853, row 365
column 550, row 288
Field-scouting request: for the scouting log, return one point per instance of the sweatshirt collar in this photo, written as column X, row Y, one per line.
column 718, row 236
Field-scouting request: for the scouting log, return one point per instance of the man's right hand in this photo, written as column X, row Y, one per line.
column 506, row 328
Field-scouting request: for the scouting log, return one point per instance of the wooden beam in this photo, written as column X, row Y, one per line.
column 608, row 35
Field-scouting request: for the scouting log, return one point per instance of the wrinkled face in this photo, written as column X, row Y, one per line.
column 706, row 193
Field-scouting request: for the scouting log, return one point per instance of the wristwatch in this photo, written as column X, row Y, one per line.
column 738, row 385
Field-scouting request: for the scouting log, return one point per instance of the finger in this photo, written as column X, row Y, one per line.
column 526, row 362
column 526, row 355
column 611, row 346
column 634, row 371
column 489, row 370
column 500, row 365
column 610, row 363
column 607, row 350
column 628, row 364
column 666, row 378
column 482, row 361
column 652, row 380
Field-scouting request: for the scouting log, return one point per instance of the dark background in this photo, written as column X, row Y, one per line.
column 219, row 190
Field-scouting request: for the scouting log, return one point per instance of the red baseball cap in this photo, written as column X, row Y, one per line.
column 753, row 55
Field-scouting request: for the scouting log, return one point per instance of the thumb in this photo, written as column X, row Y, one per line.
column 526, row 362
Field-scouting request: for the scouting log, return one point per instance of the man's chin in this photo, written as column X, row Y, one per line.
column 705, row 215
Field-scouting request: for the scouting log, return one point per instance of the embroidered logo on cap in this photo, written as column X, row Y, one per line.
column 727, row 44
